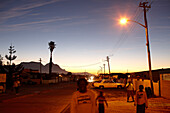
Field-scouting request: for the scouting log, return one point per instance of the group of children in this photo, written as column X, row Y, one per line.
column 84, row 100
column 140, row 101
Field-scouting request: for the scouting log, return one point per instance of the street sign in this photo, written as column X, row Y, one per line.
column 2, row 77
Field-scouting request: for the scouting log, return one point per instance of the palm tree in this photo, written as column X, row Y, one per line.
column 51, row 47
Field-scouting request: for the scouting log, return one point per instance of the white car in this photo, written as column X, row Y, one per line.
column 106, row 83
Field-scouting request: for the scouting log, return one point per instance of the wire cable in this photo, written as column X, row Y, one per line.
column 123, row 37
column 82, row 65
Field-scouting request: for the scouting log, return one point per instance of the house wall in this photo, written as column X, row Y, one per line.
column 165, row 85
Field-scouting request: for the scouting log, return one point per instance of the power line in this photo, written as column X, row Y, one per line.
column 82, row 65
column 124, row 34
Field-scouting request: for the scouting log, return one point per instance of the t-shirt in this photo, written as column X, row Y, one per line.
column 83, row 102
column 101, row 99
column 129, row 86
column 16, row 83
column 141, row 98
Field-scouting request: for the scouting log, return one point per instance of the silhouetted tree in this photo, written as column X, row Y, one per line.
column 11, row 52
column 1, row 58
column 69, row 74
column 1, row 64
column 51, row 47
column 12, row 71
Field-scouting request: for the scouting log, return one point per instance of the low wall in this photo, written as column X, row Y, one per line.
column 50, row 81
column 65, row 79
column 33, row 80
column 146, row 83
column 156, row 88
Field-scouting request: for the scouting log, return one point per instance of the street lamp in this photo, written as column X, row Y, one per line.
column 124, row 21
column 51, row 47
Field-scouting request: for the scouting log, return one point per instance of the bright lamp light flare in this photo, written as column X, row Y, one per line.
column 123, row 21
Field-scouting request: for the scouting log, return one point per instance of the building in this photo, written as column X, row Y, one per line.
column 161, row 80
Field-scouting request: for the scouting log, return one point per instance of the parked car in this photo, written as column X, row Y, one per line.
column 96, row 81
column 107, row 83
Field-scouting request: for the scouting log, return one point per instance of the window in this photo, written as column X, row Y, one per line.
column 106, row 82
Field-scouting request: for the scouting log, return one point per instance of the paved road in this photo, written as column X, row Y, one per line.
column 44, row 99
column 47, row 101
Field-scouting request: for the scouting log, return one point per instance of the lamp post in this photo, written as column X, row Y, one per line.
column 124, row 21
column 51, row 47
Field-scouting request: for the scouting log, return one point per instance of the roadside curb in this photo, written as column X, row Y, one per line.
column 18, row 97
column 26, row 95
column 65, row 108
column 10, row 96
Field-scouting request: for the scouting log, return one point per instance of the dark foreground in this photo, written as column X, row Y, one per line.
column 56, row 98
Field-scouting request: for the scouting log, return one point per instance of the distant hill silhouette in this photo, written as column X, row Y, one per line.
column 45, row 68
column 82, row 73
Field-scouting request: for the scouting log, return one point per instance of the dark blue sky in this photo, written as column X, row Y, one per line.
column 86, row 31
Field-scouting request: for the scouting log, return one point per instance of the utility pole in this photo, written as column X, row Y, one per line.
column 104, row 68
column 101, row 69
column 107, row 59
column 145, row 8
column 40, row 72
column 40, row 65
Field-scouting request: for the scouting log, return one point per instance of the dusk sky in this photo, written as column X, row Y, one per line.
column 85, row 33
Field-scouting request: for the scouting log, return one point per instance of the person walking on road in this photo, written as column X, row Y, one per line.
column 16, row 86
column 130, row 91
column 141, row 100
column 101, row 99
column 83, row 100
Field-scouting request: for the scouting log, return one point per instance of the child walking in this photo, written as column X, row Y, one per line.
column 141, row 100
column 101, row 99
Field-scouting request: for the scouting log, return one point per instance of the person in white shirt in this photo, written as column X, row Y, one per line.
column 83, row 100
column 130, row 91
